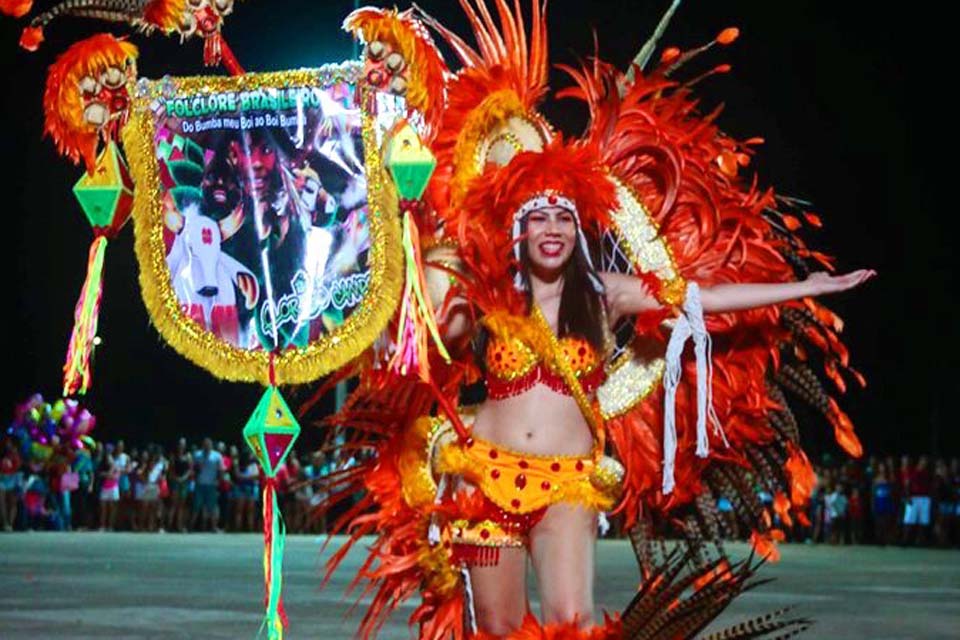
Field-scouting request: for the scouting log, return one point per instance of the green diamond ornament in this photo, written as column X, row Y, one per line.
column 410, row 161
column 271, row 431
column 106, row 195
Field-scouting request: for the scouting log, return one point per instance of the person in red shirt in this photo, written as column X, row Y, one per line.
column 855, row 515
column 901, row 480
column 11, row 482
column 944, row 507
column 916, row 517
column 225, row 485
column 61, row 486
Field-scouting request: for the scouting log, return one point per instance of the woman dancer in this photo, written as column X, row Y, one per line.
column 530, row 420
column 575, row 420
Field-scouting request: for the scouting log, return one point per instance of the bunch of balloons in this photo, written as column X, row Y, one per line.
column 39, row 426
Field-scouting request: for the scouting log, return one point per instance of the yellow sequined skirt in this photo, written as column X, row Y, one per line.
column 515, row 487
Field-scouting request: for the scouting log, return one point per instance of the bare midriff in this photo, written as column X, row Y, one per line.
column 538, row 421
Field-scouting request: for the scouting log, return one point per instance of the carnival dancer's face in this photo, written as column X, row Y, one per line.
column 551, row 238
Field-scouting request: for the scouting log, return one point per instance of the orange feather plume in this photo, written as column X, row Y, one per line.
column 164, row 14
column 425, row 90
column 16, row 8
column 716, row 221
column 504, row 77
column 62, row 102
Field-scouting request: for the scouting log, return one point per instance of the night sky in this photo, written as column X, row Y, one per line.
column 850, row 103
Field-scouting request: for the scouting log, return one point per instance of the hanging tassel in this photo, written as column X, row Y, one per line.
column 690, row 324
column 417, row 321
column 274, row 538
column 228, row 59
column 211, row 50
column 470, row 611
column 76, row 369
column 671, row 380
column 703, row 351
column 474, row 555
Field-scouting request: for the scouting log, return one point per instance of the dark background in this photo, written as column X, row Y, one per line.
column 849, row 98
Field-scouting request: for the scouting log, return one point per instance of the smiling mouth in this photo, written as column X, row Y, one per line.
column 220, row 196
column 551, row 249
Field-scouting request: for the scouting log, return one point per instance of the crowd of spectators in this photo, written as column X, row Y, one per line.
column 216, row 487
column 880, row 500
column 206, row 487
column 907, row 501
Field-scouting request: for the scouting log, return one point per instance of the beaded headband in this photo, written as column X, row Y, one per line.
column 543, row 201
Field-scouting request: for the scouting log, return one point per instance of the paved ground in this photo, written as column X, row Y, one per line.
column 93, row 585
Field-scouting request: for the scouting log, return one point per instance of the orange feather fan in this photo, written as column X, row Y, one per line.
column 720, row 228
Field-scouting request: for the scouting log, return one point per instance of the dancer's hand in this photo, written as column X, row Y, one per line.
column 822, row 282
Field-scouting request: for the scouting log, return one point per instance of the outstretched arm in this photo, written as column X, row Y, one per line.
column 628, row 295
column 737, row 297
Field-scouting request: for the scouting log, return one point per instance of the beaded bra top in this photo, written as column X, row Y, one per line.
column 513, row 367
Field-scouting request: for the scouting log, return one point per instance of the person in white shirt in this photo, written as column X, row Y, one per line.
column 208, row 465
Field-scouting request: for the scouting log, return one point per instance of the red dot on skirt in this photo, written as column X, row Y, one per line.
column 495, row 474
column 555, row 466
column 484, row 534
column 579, row 465
column 545, row 485
column 493, row 454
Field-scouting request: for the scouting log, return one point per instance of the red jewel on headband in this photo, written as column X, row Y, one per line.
column 515, row 503
column 552, row 199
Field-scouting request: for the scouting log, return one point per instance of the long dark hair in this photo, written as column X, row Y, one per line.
column 581, row 307
column 581, row 310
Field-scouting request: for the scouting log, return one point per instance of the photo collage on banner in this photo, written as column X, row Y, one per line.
column 265, row 211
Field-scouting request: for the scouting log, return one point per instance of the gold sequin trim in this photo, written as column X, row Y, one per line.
column 646, row 249
column 607, row 476
column 628, row 382
column 466, row 532
column 563, row 367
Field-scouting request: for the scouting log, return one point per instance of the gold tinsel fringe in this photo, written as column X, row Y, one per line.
column 201, row 346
